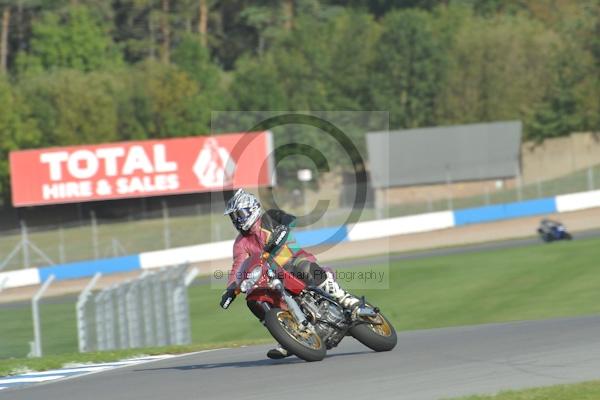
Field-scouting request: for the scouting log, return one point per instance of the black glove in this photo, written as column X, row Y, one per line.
column 278, row 237
column 228, row 296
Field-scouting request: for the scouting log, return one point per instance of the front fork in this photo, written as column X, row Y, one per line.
column 291, row 303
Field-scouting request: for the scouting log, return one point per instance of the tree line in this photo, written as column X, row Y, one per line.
column 85, row 71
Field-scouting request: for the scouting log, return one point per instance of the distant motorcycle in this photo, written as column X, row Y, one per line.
column 305, row 320
column 551, row 231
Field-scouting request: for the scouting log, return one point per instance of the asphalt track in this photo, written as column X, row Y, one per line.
column 427, row 364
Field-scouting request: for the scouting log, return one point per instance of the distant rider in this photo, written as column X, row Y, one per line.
column 262, row 231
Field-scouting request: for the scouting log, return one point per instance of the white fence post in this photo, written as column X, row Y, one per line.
column 3, row 283
column 166, row 227
column 99, row 313
column 37, row 329
column 83, row 330
column 95, row 244
column 25, row 245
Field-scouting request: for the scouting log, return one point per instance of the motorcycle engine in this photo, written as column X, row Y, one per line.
column 328, row 319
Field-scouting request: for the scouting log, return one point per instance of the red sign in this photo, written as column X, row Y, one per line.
column 140, row 169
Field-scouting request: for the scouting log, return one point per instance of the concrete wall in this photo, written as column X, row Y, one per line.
column 544, row 161
column 561, row 156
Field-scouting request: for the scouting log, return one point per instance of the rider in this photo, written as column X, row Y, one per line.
column 262, row 231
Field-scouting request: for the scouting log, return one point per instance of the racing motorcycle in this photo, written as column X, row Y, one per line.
column 551, row 231
column 306, row 320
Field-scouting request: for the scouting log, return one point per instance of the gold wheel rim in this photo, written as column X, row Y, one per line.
column 306, row 338
column 381, row 326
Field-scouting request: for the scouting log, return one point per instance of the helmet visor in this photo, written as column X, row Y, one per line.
column 241, row 214
column 240, row 217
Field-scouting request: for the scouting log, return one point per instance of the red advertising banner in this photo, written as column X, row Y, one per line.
column 140, row 169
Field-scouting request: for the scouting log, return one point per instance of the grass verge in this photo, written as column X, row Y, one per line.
column 19, row 365
column 579, row 391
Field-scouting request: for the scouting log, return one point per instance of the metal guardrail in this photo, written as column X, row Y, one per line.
column 149, row 311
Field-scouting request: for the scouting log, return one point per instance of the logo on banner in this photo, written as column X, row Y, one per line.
column 214, row 166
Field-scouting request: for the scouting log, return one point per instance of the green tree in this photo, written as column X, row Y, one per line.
column 498, row 69
column 168, row 102
column 562, row 110
column 17, row 131
column 408, row 69
column 73, row 39
column 193, row 58
column 257, row 85
column 73, row 107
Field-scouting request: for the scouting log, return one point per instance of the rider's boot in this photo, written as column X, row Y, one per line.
column 333, row 288
column 278, row 353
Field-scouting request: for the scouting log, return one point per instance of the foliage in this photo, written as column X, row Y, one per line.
column 168, row 101
column 407, row 69
column 73, row 39
column 18, row 130
column 90, row 72
column 581, row 391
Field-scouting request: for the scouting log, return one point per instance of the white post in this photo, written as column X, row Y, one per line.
column 94, row 235
column 61, row 246
column 159, row 309
column 3, row 283
column 166, row 228
column 449, row 198
column 134, row 314
column 82, row 326
column 99, row 310
column 590, row 176
column 189, row 278
column 122, row 316
column 147, row 283
column 25, row 244
column 519, row 183
column 109, row 318
column 37, row 330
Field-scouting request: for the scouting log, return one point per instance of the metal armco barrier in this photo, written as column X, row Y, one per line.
column 149, row 311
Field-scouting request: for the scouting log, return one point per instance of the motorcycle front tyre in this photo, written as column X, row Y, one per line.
column 274, row 319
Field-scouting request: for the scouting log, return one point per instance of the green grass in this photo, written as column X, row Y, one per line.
column 535, row 282
column 579, row 391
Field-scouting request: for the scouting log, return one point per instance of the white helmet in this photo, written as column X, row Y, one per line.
column 244, row 210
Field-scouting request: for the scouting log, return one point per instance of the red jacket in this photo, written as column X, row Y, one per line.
column 254, row 241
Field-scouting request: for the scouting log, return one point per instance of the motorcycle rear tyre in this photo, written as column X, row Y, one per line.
column 367, row 336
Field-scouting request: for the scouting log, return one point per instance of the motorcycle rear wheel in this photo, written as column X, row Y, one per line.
column 283, row 327
column 378, row 337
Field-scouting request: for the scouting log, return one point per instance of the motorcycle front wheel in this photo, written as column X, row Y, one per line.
column 305, row 344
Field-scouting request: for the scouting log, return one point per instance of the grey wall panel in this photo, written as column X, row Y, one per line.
column 437, row 155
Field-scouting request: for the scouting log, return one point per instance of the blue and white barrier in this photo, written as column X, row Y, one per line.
column 499, row 212
column 359, row 231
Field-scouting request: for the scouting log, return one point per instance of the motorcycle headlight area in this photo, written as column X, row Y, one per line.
column 251, row 279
